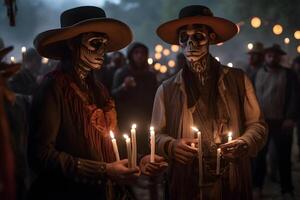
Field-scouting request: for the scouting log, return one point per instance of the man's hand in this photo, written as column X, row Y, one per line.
column 153, row 169
column 183, row 152
column 129, row 82
column 234, row 149
column 119, row 171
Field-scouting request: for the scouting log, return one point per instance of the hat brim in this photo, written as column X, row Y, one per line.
column 223, row 28
column 52, row 43
column 279, row 51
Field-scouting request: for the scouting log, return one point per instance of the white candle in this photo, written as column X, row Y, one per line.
column 152, row 144
column 199, row 137
column 115, row 146
column 134, row 145
column 218, row 161
column 229, row 136
column 13, row 59
column 128, row 145
column 23, row 50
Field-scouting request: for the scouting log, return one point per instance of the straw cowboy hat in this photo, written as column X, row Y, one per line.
column 52, row 43
column 197, row 14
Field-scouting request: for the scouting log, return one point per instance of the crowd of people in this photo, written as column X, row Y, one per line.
column 132, row 84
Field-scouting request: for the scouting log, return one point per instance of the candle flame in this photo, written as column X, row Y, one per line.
column 195, row 129
column 126, row 136
column 112, row 135
column 133, row 126
column 229, row 134
column 151, row 128
column 13, row 59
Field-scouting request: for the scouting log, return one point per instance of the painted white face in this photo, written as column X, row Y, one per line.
column 92, row 49
column 194, row 40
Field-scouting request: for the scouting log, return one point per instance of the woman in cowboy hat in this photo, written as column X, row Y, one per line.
column 72, row 114
column 214, row 98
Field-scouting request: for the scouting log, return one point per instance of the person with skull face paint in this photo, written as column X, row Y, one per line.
column 72, row 114
column 214, row 98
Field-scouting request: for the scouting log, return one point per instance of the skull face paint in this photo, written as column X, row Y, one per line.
column 194, row 41
column 92, row 49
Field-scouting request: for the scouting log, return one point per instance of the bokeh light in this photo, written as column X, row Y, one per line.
column 163, row 69
column 171, row 63
column 277, row 29
column 255, row 22
column 297, row 35
column 157, row 56
column 158, row 48
column 175, row 48
column 150, row 61
column 166, row 52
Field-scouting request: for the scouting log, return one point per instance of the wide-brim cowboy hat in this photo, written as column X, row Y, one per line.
column 7, row 70
column 197, row 14
column 275, row 48
column 53, row 43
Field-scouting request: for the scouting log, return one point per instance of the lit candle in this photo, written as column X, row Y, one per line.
column 199, row 137
column 133, row 143
column 218, row 161
column 229, row 136
column 128, row 145
column 115, row 146
column 152, row 144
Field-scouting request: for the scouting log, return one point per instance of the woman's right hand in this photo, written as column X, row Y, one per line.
column 119, row 171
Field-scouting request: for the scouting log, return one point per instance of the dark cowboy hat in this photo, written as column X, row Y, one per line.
column 258, row 48
column 75, row 21
column 7, row 70
column 197, row 14
column 275, row 48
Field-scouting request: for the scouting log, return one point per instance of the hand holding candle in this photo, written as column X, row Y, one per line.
column 115, row 146
column 199, row 137
column 218, row 161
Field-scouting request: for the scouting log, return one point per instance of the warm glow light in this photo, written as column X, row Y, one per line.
column 230, row 64
column 112, row 135
column 150, row 61
column 157, row 56
column 151, row 128
column 166, row 52
column 220, row 44
column 217, row 58
column 229, row 134
column 171, row 63
column 298, row 49
column 133, row 126
column 45, row 60
column 175, row 48
column 194, row 128
column 158, row 48
column 255, row 22
column 157, row 66
column 163, row 69
column 250, row 46
column 277, row 29
column 286, row 40
column 23, row 49
column 297, row 35
column 126, row 136
column 13, row 59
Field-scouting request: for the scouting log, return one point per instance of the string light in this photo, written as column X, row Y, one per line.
column 297, row 35
column 163, row 69
column 286, row 40
column 166, row 52
column 157, row 66
column 158, row 48
column 277, row 29
column 150, row 61
column 157, row 56
column 298, row 49
column 171, row 63
column 250, row 46
column 255, row 22
column 230, row 64
column 175, row 48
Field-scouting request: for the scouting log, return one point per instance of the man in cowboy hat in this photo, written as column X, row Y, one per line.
column 69, row 144
column 214, row 98
column 277, row 92
column 256, row 59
